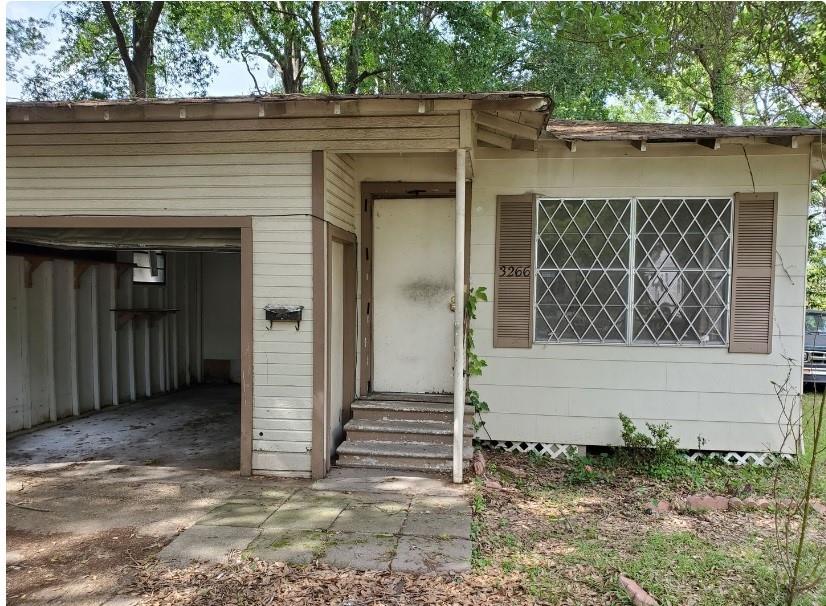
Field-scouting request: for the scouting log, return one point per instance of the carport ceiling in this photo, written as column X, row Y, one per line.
column 183, row 239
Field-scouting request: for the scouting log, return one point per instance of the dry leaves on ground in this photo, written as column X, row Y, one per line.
column 256, row 583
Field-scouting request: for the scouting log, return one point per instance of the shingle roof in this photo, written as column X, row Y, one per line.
column 470, row 96
column 582, row 130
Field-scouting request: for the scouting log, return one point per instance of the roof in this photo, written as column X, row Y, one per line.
column 274, row 106
column 543, row 98
column 583, row 130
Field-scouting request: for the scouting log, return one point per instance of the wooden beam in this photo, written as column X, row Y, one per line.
column 465, row 129
column 514, row 129
column 791, row 142
column 641, row 144
column 524, row 144
column 94, row 338
column 709, row 143
column 571, row 145
column 32, row 263
column 69, row 299
column 80, row 268
column 493, row 139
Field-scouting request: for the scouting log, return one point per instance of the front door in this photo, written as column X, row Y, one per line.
column 413, row 250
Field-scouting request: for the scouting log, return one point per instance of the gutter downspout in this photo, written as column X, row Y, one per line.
column 458, row 321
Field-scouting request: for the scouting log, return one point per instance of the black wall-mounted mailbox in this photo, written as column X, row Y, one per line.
column 283, row 313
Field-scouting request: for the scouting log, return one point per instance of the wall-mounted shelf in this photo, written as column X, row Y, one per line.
column 125, row 315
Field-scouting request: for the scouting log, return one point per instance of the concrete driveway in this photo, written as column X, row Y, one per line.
column 88, row 498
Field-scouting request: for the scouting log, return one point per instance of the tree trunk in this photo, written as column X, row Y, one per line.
column 351, row 78
column 722, row 99
column 137, row 56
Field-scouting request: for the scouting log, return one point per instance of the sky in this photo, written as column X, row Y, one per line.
column 231, row 79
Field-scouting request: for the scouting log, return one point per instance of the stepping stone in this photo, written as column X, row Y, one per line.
column 295, row 516
column 379, row 518
column 237, row 514
column 292, row 547
column 439, row 525
column 456, row 505
column 426, row 555
column 359, row 551
column 206, row 544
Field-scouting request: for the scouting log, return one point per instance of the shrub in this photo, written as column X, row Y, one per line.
column 656, row 452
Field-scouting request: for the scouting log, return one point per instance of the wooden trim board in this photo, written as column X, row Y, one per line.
column 318, row 465
column 348, row 239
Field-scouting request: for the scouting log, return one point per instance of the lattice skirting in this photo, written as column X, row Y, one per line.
column 761, row 459
column 567, row 451
column 555, row 451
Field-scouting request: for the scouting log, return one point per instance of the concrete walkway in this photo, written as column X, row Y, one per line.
column 368, row 522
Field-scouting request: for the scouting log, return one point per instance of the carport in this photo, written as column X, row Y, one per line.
column 144, row 317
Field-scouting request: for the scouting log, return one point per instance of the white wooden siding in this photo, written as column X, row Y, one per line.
column 569, row 393
column 282, row 355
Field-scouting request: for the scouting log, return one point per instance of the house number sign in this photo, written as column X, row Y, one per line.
column 514, row 271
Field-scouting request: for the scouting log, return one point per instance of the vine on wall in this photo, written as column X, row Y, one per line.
column 474, row 365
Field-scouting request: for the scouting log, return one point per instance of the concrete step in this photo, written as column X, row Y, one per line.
column 405, row 410
column 444, row 398
column 404, row 430
column 416, row 456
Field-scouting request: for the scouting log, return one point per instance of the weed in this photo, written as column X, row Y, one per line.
column 535, row 458
column 583, row 470
column 478, row 504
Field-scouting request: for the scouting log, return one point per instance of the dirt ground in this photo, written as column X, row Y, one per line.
column 89, row 498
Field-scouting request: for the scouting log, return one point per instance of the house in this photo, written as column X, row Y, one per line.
column 310, row 248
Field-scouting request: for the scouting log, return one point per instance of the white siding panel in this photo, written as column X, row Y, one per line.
column 283, row 371
column 572, row 394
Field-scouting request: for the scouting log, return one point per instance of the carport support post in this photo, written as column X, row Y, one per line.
column 458, row 321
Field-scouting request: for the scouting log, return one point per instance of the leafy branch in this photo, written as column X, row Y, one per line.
column 474, row 364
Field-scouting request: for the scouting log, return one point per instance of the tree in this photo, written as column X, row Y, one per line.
column 137, row 54
column 107, row 49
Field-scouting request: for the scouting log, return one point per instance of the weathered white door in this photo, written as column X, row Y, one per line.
column 413, row 249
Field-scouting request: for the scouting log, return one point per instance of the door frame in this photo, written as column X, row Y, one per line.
column 393, row 190
column 348, row 241
column 243, row 223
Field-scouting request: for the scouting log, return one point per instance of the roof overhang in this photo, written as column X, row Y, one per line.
column 274, row 106
column 641, row 134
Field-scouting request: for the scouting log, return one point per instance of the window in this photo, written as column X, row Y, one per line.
column 150, row 268
column 633, row 270
column 815, row 322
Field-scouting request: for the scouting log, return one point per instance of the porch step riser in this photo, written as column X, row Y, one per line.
column 376, row 414
column 402, row 463
column 386, row 436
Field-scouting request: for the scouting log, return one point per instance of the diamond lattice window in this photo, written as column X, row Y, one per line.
column 670, row 256
column 682, row 260
column 582, row 261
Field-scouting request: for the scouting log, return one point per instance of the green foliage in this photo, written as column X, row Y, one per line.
column 583, row 471
column 655, row 452
column 474, row 365
column 87, row 64
column 478, row 504
column 816, row 263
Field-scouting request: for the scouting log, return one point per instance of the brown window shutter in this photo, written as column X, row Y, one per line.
column 752, row 288
column 513, row 281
